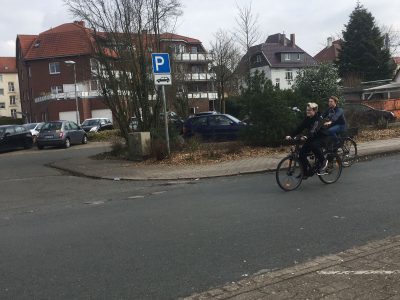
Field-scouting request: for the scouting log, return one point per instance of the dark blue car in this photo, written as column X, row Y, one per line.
column 213, row 127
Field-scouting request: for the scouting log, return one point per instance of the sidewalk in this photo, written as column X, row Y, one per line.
column 368, row 272
column 112, row 169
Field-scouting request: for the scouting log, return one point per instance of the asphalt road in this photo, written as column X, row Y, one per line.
column 65, row 237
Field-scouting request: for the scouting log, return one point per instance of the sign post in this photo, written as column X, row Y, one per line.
column 162, row 76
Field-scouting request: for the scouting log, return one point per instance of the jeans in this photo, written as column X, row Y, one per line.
column 333, row 130
column 314, row 146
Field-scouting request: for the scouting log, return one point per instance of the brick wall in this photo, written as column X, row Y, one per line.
column 392, row 105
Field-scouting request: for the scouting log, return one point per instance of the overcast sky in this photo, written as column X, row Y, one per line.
column 311, row 20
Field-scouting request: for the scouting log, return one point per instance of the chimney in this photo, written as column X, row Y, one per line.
column 80, row 23
column 293, row 39
column 284, row 39
column 329, row 42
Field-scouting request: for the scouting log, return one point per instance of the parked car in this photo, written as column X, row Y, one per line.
column 358, row 113
column 213, row 126
column 60, row 133
column 14, row 137
column 203, row 113
column 34, row 129
column 97, row 124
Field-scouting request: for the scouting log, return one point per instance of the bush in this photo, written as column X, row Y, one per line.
column 103, row 136
column 270, row 116
column 11, row 121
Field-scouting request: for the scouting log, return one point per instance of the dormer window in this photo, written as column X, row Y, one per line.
column 286, row 56
column 258, row 58
column 298, row 56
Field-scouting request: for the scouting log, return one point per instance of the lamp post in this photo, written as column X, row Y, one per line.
column 71, row 62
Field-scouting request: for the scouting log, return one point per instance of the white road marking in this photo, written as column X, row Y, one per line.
column 361, row 272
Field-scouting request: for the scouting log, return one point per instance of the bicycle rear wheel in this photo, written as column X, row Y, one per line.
column 289, row 173
column 333, row 170
column 348, row 152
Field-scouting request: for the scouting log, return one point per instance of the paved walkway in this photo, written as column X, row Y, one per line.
column 368, row 272
column 112, row 169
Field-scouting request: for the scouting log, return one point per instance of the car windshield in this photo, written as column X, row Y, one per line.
column 51, row 126
column 31, row 126
column 90, row 122
column 233, row 119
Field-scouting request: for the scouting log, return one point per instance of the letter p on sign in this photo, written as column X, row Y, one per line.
column 161, row 63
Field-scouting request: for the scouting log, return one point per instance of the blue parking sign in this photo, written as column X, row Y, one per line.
column 160, row 63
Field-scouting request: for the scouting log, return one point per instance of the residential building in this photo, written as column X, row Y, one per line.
column 330, row 53
column 279, row 58
column 10, row 104
column 47, row 82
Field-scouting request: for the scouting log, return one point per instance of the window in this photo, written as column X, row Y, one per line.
column 286, row 56
column 2, row 105
column 220, row 121
column 54, row 68
column 258, row 58
column 194, row 50
column 12, row 100
column 1, row 92
column 57, row 89
column 298, row 56
column 1, row 78
column 29, row 72
column 18, row 129
column 14, row 113
column 73, row 126
column 201, row 121
column 289, row 75
column 11, row 87
column 277, row 83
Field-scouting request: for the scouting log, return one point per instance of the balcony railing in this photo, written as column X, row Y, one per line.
column 67, row 95
column 203, row 95
column 199, row 76
column 196, row 57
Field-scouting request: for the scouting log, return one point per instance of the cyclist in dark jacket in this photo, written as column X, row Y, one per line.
column 334, row 119
column 313, row 139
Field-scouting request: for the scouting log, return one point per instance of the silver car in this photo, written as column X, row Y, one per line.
column 60, row 133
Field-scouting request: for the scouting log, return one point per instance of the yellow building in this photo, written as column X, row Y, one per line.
column 10, row 101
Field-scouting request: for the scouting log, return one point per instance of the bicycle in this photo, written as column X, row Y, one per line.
column 347, row 147
column 290, row 173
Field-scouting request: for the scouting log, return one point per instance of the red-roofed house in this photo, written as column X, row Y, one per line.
column 10, row 104
column 330, row 53
column 47, row 83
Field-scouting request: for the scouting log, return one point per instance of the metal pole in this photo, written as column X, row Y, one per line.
column 76, row 100
column 166, row 120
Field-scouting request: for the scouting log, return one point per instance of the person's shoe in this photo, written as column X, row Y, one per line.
column 321, row 170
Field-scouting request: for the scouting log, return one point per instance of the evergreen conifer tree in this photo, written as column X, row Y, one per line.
column 363, row 54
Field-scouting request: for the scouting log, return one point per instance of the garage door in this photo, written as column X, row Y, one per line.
column 102, row 113
column 67, row 115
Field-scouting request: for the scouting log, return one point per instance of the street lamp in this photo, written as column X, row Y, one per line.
column 68, row 63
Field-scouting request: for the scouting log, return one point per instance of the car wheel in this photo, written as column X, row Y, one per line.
column 40, row 147
column 84, row 139
column 67, row 143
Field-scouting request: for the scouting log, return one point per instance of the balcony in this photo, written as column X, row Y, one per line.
column 199, row 76
column 203, row 95
column 193, row 57
column 67, row 96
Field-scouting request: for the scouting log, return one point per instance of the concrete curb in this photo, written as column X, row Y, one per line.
column 55, row 165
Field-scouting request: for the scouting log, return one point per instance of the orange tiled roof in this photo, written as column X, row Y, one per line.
column 68, row 39
column 8, row 65
column 329, row 54
column 71, row 39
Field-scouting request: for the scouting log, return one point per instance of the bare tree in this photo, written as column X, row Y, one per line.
column 392, row 39
column 124, row 33
column 247, row 31
column 226, row 60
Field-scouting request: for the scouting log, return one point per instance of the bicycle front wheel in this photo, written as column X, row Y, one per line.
column 348, row 152
column 333, row 170
column 289, row 173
